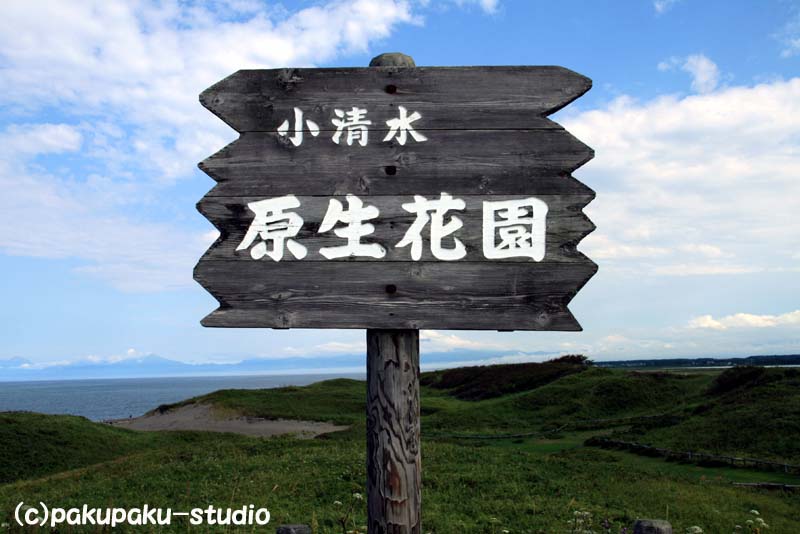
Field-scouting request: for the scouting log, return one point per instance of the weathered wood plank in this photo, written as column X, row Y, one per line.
column 487, row 137
column 565, row 222
column 506, row 162
column 437, row 295
column 446, row 97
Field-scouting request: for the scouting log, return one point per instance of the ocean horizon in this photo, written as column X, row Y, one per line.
column 102, row 399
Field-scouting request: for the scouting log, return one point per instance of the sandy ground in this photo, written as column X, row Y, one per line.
column 203, row 417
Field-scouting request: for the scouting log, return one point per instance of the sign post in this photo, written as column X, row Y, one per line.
column 395, row 198
column 394, row 463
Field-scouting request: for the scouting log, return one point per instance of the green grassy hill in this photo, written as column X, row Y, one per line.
column 34, row 445
column 745, row 411
column 574, row 399
column 486, row 382
column 491, row 459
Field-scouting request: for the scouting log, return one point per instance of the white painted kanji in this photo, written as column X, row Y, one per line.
column 296, row 131
column 433, row 212
column 353, row 217
column 514, row 228
column 354, row 122
column 401, row 128
column 276, row 227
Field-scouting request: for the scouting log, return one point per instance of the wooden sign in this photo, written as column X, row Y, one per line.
column 396, row 198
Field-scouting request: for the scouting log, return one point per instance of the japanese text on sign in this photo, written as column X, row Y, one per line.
column 353, row 125
column 511, row 228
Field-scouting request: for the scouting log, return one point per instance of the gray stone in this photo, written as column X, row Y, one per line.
column 295, row 529
column 392, row 59
column 652, row 526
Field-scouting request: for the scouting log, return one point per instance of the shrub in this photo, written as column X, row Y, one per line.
column 735, row 378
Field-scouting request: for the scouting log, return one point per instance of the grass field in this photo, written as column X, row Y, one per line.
column 475, row 480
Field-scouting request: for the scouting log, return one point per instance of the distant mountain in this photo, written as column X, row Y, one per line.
column 14, row 362
column 152, row 366
column 148, row 366
column 19, row 369
column 788, row 359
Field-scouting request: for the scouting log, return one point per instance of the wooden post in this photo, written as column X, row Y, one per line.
column 394, row 468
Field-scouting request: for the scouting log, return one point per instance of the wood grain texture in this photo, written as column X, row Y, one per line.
column 509, row 162
column 488, row 138
column 394, row 467
column 447, row 97
column 566, row 226
column 431, row 295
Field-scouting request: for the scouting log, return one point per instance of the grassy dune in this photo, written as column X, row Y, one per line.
column 744, row 412
column 529, row 484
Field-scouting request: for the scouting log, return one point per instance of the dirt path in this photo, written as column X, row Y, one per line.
column 203, row 417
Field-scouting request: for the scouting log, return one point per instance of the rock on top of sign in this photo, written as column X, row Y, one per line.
column 392, row 59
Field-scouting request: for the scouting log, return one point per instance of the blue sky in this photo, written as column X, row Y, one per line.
column 694, row 116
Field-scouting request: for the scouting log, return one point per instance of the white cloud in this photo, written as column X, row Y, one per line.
column 125, row 77
column 341, row 347
column 705, row 73
column 706, row 321
column 746, row 320
column 26, row 140
column 488, row 6
column 702, row 269
column 136, row 51
column 703, row 249
column 701, row 184
column 430, row 341
column 330, row 347
column 602, row 247
column 789, row 36
column 143, row 64
column 791, row 47
column 53, row 216
column 662, row 6
column 620, row 346
column 435, row 341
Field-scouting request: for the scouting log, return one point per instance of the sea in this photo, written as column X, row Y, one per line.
column 119, row 398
